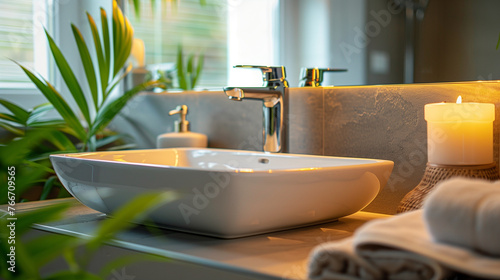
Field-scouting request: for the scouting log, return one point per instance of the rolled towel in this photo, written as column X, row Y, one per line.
column 465, row 212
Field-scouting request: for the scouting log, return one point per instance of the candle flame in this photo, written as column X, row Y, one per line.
column 459, row 99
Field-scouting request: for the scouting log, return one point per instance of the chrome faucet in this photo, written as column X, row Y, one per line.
column 272, row 95
column 313, row 77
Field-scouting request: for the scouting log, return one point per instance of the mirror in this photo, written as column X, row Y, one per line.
column 392, row 41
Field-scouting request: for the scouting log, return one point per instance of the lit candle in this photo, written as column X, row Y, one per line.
column 460, row 133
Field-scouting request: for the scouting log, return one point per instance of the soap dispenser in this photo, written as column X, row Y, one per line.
column 182, row 137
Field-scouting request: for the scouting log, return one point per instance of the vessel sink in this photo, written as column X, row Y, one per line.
column 225, row 193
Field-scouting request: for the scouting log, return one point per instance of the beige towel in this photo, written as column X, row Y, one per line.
column 465, row 212
column 376, row 251
column 399, row 247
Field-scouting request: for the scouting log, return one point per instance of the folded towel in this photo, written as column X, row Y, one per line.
column 381, row 249
column 465, row 212
column 399, row 247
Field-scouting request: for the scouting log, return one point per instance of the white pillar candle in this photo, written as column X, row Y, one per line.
column 460, row 133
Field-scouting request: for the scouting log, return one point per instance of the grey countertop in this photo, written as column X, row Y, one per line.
column 277, row 255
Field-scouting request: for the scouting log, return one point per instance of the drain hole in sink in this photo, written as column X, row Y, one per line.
column 263, row 160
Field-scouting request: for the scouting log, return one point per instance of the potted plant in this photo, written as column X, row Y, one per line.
column 111, row 47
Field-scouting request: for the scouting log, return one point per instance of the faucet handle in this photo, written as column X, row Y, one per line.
column 271, row 75
column 313, row 77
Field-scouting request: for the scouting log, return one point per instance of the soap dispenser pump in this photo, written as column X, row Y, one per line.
column 182, row 137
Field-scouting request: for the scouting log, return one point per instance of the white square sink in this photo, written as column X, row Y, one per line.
column 225, row 193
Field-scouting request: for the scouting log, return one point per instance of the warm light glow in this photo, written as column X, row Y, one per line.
column 459, row 99
column 245, row 170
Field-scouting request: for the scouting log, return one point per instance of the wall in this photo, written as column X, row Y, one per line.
column 384, row 122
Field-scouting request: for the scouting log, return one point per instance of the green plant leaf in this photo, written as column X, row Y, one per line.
column 87, row 63
column 9, row 118
column 69, row 78
column 47, row 187
column 90, row 143
column 44, row 156
column 21, row 114
column 14, row 154
column 108, row 140
column 101, row 60
column 189, row 72
column 498, row 43
column 16, row 150
column 117, row 80
column 58, row 102
column 181, row 76
column 110, row 109
column 189, row 67
column 114, row 25
column 69, row 255
column 118, row 35
column 137, row 7
column 49, row 124
column 12, row 129
column 107, row 47
column 37, row 112
column 61, row 141
column 41, row 215
column 25, row 268
column 127, row 33
column 201, row 61
column 35, row 165
column 46, row 248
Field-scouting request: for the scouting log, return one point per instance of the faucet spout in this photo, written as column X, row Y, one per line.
column 268, row 95
column 235, row 94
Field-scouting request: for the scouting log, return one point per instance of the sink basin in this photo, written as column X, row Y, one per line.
column 225, row 193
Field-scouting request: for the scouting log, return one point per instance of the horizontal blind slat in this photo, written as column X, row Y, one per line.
column 16, row 39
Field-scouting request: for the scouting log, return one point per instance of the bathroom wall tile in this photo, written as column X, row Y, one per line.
column 305, row 121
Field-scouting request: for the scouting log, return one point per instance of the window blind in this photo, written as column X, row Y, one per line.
column 198, row 28
column 16, row 39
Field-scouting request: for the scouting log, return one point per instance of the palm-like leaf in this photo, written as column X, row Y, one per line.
column 88, row 66
column 107, row 49
column 111, row 50
column 19, row 113
column 103, row 64
column 69, row 78
column 58, row 102
column 37, row 112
